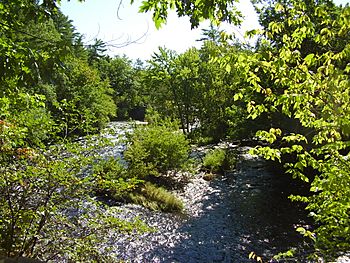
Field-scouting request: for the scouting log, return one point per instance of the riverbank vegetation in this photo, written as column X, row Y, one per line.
column 290, row 91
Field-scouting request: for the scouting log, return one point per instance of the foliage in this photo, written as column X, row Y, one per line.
column 198, row 90
column 157, row 82
column 39, row 195
column 125, row 81
column 219, row 159
column 231, row 159
column 48, row 89
column 42, row 56
column 254, row 257
column 294, row 85
column 111, row 178
column 24, row 120
column 96, row 51
column 217, row 11
column 156, row 149
column 213, row 34
column 84, row 104
column 314, row 90
column 214, row 159
column 157, row 198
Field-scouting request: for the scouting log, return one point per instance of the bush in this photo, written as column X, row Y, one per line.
column 112, row 179
column 156, row 149
column 219, row 159
column 157, row 198
column 24, row 121
column 214, row 160
column 46, row 209
column 230, row 160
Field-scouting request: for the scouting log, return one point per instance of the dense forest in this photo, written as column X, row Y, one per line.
column 288, row 93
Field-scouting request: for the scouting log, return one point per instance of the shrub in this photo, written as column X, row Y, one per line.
column 230, row 160
column 46, row 208
column 112, row 179
column 24, row 121
column 219, row 159
column 214, row 160
column 157, row 198
column 156, row 149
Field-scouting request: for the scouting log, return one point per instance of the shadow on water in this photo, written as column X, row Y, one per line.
column 246, row 211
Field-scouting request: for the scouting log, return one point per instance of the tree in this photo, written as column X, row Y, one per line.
column 314, row 90
column 157, row 82
column 96, row 51
column 198, row 89
column 84, row 102
column 212, row 34
column 125, row 81
column 43, row 88
column 36, row 53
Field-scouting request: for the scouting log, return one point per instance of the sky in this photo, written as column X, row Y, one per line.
column 101, row 19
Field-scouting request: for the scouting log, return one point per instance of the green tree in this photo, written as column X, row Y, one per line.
column 314, row 91
column 157, row 83
column 96, row 51
column 125, row 81
column 198, row 89
column 44, row 89
column 84, row 101
column 212, row 34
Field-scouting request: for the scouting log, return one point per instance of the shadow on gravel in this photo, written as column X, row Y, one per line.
column 245, row 210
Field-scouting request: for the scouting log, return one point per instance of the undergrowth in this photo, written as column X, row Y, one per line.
column 156, row 198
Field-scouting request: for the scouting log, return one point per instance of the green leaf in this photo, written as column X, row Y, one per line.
column 237, row 96
column 309, row 59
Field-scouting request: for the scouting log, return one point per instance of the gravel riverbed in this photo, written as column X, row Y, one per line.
column 225, row 219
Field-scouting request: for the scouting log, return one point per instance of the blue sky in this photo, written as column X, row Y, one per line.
column 101, row 19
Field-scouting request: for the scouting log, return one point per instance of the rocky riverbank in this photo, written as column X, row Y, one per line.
column 225, row 219
column 242, row 211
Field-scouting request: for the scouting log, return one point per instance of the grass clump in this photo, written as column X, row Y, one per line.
column 111, row 179
column 157, row 198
